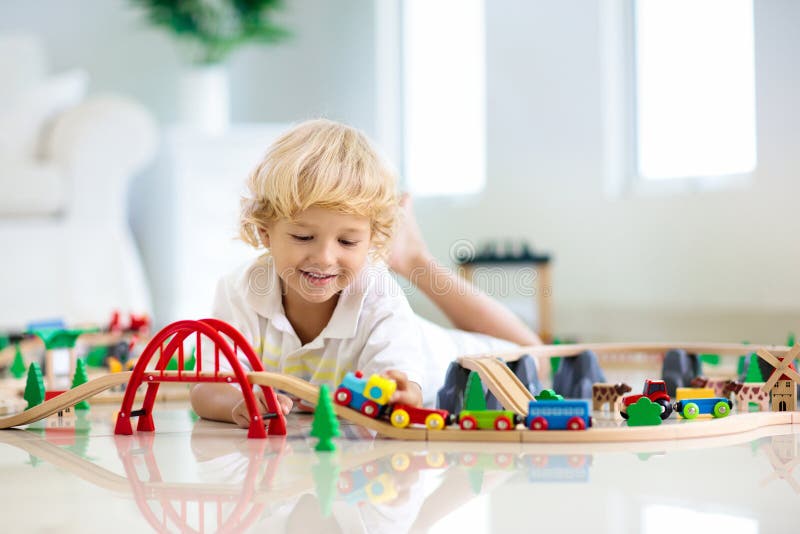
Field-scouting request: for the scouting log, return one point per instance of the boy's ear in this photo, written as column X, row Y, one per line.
column 264, row 235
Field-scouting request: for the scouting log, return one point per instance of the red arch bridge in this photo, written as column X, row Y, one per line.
column 226, row 342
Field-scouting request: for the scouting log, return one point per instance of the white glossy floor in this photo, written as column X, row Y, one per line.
column 192, row 476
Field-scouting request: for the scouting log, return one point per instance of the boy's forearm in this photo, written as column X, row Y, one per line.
column 466, row 305
column 215, row 401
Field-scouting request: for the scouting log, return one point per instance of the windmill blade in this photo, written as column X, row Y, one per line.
column 768, row 385
column 793, row 353
column 769, row 358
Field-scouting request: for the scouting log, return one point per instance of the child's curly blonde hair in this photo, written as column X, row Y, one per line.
column 324, row 164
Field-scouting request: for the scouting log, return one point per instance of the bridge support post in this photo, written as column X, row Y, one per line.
column 145, row 423
column 123, row 425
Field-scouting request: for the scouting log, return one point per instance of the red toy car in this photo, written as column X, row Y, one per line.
column 656, row 391
column 403, row 415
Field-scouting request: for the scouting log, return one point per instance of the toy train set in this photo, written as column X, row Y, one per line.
column 371, row 397
column 367, row 401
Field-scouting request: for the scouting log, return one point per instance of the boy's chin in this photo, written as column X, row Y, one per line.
column 318, row 298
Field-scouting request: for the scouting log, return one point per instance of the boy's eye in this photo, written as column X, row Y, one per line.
column 301, row 237
column 348, row 243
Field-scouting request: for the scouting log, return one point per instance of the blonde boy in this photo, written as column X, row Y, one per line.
column 320, row 302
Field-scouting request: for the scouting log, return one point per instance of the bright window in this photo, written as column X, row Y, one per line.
column 444, row 87
column 695, row 88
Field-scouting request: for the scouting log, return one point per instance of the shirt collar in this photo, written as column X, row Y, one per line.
column 262, row 287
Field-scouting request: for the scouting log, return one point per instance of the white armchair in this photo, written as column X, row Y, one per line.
column 68, row 249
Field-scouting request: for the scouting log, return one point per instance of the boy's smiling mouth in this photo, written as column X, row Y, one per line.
column 317, row 279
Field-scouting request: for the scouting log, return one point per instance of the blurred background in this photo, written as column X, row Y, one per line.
column 648, row 148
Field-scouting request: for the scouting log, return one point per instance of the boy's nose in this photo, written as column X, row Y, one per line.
column 325, row 254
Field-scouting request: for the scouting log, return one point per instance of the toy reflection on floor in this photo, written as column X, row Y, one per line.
column 267, row 484
column 783, row 453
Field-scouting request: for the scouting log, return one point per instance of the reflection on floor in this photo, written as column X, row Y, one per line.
column 204, row 476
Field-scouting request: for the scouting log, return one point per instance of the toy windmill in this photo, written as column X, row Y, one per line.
column 783, row 380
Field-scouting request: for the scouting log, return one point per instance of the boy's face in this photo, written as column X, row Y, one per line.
column 320, row 253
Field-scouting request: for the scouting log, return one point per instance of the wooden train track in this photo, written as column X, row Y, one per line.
column 309, row 393
column 67, row 399
column 502, row 382
column 537, row 351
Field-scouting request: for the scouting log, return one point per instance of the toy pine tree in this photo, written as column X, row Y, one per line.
column 80, row 378
column 326, row 476
column 189, row 364
column 18, row 367
column 753, row 370
column 34, row 389
column 325, row 426
column 474, row 398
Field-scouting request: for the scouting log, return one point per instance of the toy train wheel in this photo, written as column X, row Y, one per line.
column 576, row 461
column 666, row 408
column 722, row 409
column 435, row 460
column 371, row 470
column 576, row 423
column 401, row 461
column 623, row 414
column 690, row 410
column 343, row 396
column 434, row 421
column 468, row 459
column 540, row 460
column 469, row 423
column 503, row 423
column 370, row 409
column 400, row 418
column 538, row 423
column 345, row 483
column 503, row 460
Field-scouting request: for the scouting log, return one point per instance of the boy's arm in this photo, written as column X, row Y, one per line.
column 393, row 349
column 224, row 402
column 467, row 307
column 215, row 401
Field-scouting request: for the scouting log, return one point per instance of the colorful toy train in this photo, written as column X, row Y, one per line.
column 689, row 406
column 371, row 397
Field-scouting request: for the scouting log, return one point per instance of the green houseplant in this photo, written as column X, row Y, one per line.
column 208, row 32
column 211, row 29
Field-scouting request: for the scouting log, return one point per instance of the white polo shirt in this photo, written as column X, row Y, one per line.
column 372, row 329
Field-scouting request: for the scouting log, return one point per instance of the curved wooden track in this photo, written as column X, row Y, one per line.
column 670, row 430
column 723, row 349
column 65, row 400
column 310, row 393
column 502, row 382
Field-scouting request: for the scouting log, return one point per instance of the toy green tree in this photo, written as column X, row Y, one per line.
column 326, row 475
column 34, row 389
column 80, row 378
column 644, row 412
column 325, row 426
column 753, row 370
column 474, row 399
column 18, row 366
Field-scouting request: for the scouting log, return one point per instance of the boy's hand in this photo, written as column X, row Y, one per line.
column 241, row 416
column 407, row 392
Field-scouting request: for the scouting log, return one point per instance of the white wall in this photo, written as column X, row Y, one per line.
column 325, row 69
column 716, row 265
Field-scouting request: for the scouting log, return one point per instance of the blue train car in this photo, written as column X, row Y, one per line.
column 714, row 406
column 369, row 396
column 559, row 415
